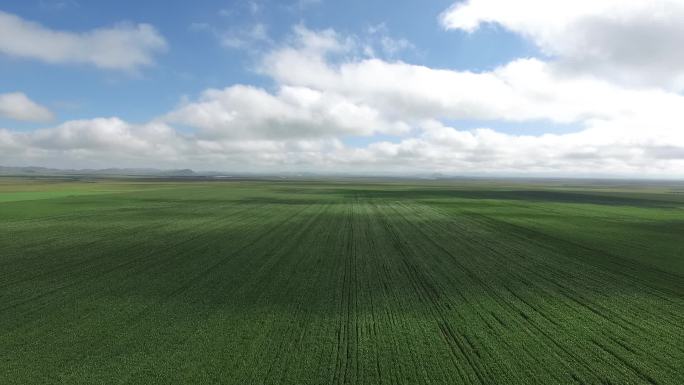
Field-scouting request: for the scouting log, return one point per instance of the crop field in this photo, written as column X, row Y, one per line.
column 135, row 281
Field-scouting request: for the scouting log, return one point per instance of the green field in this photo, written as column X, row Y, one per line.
column 132, row 281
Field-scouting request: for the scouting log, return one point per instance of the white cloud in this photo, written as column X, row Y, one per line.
column 301, row 5
column 392, row 46
column 251, row 37
column 325, row 92
column 389, row 45
column 92, row 135
column 603, row 148
column 292, row 112
column 245, row 37
column 317, row 43
column 18, row 106
column 121, row 47
column 522, row 90
column 636, row 42
column 103, row 142
column 57, row 5
column 254, row 7
column 620, row 148
column 112, row 142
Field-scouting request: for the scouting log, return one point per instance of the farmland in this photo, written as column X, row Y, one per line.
column 134, row 281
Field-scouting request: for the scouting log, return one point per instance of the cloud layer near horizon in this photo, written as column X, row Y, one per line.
column 328, row 89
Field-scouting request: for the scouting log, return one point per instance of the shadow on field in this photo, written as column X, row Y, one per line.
column 515, row 195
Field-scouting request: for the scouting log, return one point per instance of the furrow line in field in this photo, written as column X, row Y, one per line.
column 476, row 374
column 138, row 318
column 531, row 235
column 372, row 253
column 294, row 255
column 51, row 239
column 342, row 355
column 560, row 278
column 555, row 282
column 614, row 276
column 197, row 278
column 323, row 237
column 293, row 240
column 130, row 246
column 395, row 370
column 634, row 268
column 398, row 321
column 626, row 363
column 530, row 283
column 160, row 252
column 584, row 302
column 494, row 294
column 477, row 281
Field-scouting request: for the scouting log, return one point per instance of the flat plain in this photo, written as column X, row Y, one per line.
column 143, row 281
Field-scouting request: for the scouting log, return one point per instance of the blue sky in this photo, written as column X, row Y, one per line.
column 461, row 87
column 196, row 60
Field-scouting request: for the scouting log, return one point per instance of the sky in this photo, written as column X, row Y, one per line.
column 473, row 87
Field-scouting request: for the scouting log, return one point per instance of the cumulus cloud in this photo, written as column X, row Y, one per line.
column 107, row 142
column 245, row 37
column 292, row 112
column 380, row 40
column 102, row 141
column 121, row 47
column 603, row 148
column 632, row 41
column 522, row 90
column 251, row 37
column 18, row 106
column 326, row 91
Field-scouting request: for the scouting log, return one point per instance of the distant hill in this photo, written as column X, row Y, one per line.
column 44, row 171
